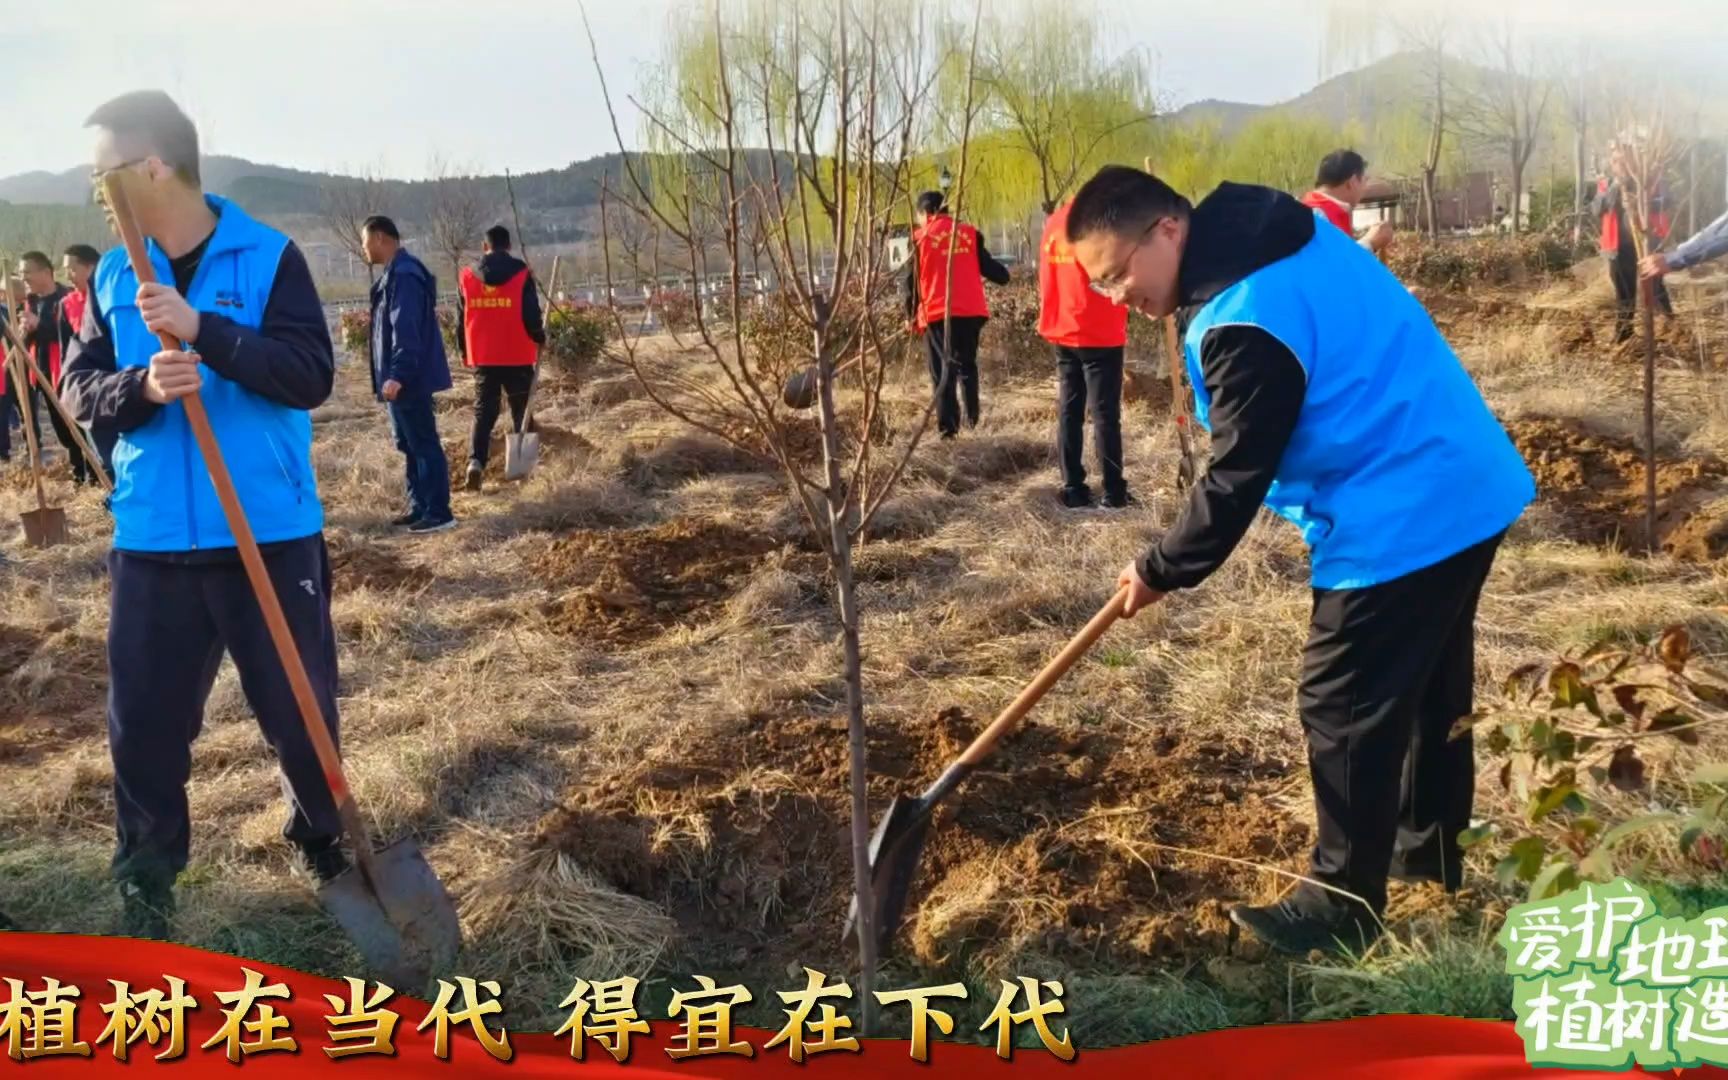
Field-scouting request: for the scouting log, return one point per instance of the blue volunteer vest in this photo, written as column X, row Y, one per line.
column 163, row 498
column 1396, row 462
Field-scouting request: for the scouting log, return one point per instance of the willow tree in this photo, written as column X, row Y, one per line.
column 835, row 94
column 1280, row 150
column 1064, row 99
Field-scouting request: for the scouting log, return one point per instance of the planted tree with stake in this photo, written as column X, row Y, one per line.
column 834, row 92
column 1648, row 150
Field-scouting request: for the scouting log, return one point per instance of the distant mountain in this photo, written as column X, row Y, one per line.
column 553, row 203
column 1364, row 95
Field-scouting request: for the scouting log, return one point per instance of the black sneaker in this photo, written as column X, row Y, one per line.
column 476, row 473
column 146, row 906
column 1287, row 928
column 1077, row 498
column 402, row 521
column 1122, row 501
column 432, row 525
column 326, row 861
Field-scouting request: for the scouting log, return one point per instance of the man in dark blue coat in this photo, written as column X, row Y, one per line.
column 409, row 365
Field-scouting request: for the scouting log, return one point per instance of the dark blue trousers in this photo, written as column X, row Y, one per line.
column 428, row 471
column 170, row 621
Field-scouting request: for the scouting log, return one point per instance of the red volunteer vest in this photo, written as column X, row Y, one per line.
column 492, row 321
column 1069, row 312
column 967, row 298
column 1335, row 211
column 72, row 312
column 1611, row 222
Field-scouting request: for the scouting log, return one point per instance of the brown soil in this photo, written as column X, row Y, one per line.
column 1148, row 385
column 52, row 687
column 357, row 564
column 1597, row 484
column 629, row 585
column 743, row 838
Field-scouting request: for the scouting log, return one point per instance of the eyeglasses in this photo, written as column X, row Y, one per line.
column 97, row 176
column 1111, row 285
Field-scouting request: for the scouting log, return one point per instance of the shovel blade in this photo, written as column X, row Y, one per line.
column 45, row 527
column 521, row 454
column 402, row 922
column 800, row 390
column 895, row 849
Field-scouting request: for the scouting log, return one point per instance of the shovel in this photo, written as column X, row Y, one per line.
column 522, row 448
column 800, row 390
column 44, row 526
column 91, row 459
column 899, row 838
column 1185, row 471
column 390, row 904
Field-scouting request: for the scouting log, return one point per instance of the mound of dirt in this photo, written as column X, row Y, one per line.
column 357, row 564
column 628, row 585
column 1050, row 847
column 1596, row 482
column 1146, row 384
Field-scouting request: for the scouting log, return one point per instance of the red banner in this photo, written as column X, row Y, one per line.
column 58, row 1014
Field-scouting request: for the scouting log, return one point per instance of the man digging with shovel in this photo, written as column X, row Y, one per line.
column 1331, row 398
column 243, row 302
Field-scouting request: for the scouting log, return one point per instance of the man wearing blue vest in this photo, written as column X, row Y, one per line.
column 239, row 296
column 1332, row 399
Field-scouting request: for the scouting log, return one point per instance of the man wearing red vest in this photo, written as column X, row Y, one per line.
column 1088, row 332
column 1619, row 246
column 949, row 308
column 1339, row 184
column 499, row 312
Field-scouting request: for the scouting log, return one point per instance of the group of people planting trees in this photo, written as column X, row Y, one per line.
column 1329, row 394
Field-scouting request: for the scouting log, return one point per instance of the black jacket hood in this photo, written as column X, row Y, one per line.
column 497, row 267
column 1235, row 231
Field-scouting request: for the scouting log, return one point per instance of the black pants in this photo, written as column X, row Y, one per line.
column 1623, row 272
column 1090, row 379
column 169, row 624
column 1387, row 672
column 490, row 383
column 958, row 377
column 10, row 405
column 80, row 470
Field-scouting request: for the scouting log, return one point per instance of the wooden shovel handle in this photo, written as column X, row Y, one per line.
column 546, row 329
column 289, row 653
column 1038, row 687
column 91, row 458
column 22, row 381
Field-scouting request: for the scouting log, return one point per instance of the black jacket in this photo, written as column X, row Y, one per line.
column 287, row 359
column 42, row 340
column 495, row 268
column 993, row 272
column 1255, row 384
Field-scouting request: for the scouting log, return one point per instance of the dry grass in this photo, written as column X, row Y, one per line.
column 468, row 715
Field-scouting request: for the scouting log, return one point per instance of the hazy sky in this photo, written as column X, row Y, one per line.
column 342, row 84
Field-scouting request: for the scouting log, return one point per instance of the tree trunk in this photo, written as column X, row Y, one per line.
column 1429, row 207
column 839, row 506
column 1517, row 197
column 1647, row 296
column 1578, row 184
column 1692, row 190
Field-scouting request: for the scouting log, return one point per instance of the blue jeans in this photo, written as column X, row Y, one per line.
column 428, row 472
